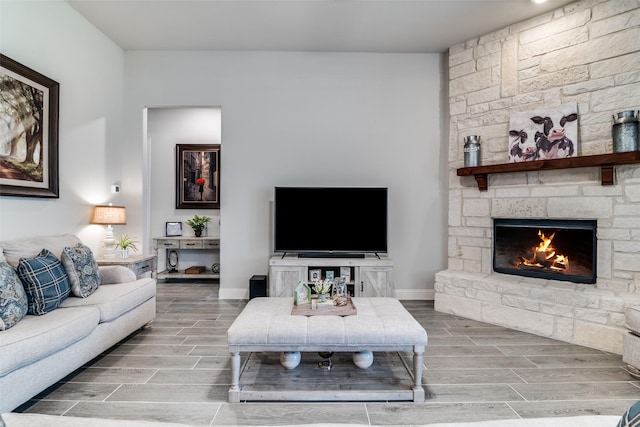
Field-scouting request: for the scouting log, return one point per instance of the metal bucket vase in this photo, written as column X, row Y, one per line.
column 625, row 131
column 472, row 151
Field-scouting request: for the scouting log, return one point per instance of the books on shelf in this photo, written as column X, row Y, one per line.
column 196, row 269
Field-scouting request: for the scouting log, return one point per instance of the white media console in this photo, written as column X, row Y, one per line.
column 369, row 276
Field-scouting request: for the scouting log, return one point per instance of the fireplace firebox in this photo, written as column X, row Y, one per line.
column 557, row 249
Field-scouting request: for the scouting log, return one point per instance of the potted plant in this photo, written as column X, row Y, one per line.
column 323, row 289
column 198, row 223
column 125, row 243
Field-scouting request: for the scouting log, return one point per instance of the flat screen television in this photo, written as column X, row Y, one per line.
column 330, row 221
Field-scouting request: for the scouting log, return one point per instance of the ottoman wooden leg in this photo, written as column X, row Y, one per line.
column 418, row 390
column 234, row 390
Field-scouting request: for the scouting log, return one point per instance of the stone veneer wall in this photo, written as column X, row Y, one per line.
column 587, row 52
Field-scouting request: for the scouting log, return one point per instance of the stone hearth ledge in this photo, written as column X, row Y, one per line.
column 575, row 313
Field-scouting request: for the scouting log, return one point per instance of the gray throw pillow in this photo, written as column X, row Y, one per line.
column 82, row 269
column 13, row 299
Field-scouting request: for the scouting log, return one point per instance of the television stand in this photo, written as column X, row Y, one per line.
column 370, row 275
column 330, row 255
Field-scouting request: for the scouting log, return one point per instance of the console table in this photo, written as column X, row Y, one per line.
column 187, row 243
column 369, row 276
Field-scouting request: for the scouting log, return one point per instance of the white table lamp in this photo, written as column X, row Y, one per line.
column 109, row 215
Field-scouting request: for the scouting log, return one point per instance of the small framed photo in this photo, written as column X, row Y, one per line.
column 174, row 229
column 329, row 276
column 302, row 294
column 315, row 275
column 346, row 273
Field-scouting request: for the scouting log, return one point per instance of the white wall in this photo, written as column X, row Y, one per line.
column 288, row 119
column 167, row 127
column 52, row 39
column 331, row 119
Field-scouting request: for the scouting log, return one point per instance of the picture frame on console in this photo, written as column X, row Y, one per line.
column 197, row 176
column 29, row 113
column 173, row 229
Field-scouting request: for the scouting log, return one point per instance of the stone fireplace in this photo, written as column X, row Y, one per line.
column 578, row 53
column 553, row 249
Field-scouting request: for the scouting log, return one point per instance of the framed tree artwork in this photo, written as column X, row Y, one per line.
column 198, row 176
column 29, row 104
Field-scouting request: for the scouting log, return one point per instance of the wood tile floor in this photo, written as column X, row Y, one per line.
column 178, row 371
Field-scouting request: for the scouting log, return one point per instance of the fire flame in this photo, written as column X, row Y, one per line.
column 544, row 255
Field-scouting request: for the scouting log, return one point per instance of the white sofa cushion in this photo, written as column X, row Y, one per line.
column 116, row 299
column 36, row 337
column 13, row 250
column 577, row 421
column 29, row 420
column 116, row 274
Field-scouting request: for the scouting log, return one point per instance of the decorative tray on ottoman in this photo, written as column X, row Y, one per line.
column 325, row 308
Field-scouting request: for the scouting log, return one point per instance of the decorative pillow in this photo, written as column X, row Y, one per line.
column 631, row 417
column 45, row 282
column 82, row 269
column 13, row 299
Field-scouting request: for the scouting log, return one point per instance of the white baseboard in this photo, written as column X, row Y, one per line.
column 401, row 294
column 233, row 293
column 414, row 294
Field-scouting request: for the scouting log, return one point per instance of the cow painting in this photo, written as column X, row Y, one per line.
column 522, row 144
column 544, row 134
column 553, row 142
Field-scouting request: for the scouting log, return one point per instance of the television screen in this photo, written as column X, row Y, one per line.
column 330, row 220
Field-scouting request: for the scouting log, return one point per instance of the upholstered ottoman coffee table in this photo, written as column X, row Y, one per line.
column 381, row 324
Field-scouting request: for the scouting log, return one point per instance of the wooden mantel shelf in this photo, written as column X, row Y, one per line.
column 606, row 163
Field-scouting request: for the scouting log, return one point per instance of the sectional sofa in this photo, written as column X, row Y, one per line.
column 39, row 350
column 29, row 420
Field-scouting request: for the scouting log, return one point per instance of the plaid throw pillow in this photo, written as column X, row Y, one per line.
column 45, row 282
column 631, row 418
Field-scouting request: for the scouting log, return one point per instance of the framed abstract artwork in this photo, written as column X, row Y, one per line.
column 198, row 176
column 29, row 110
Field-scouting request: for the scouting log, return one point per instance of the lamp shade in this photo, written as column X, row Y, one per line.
column 109, row 215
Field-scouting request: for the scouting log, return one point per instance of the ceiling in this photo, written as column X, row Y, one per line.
column 389, row 26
